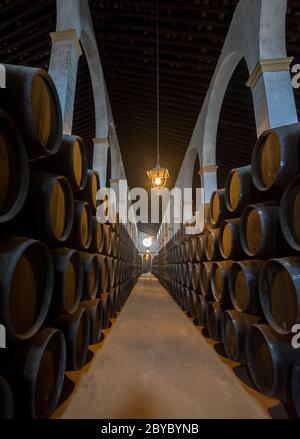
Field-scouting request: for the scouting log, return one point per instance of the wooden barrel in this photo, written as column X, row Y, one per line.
column 89, row 193
column 107, row 249
column 196, row 270
column 200, row 310
column 95, row 311
column 275, row 158
column 212, row 247
column 289, row 214
column 229, row 240
column 97, row 242
column 205, row 279
column 68, row 281
column 111, row 272
column 240, row 190
column 104, row 274
column 295, row 388
column 6, row 400
column 218, row 211
column 38, row 374
column 81, row 234
column 25, row 266
column 279, row 292
column 70, row 161
column 214, row 315
column 260, row 230
column 14, row 169
column 76, row 329
column 107, row 310
column 220, row 281
column 30, row 97
column 48, row 210
column 243, row 286
column 91, row 276
column 234, row 329
column 270, row 357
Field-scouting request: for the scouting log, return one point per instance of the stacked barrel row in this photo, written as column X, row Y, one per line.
column 63, row 275
column 241, row 277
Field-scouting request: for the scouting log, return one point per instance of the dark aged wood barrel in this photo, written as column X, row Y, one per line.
column 76, row 329
column 107, row 310
column 205, row 279
column 234, row 329
column 25, row 266
column 243, row 286
column 14, row 169
column 30, row 97
column 260, row 230
column 229, row 240
column 295, row 388
column 48, row 210
column 218, row 209
column 212, row 247
column 6, row 400
column 279, row 292
column 39, row 369
column 89, row 193
column 240, row 190
column 68, row 281
column 200, row 310
column 104, row 274
column 70, row 161
column 275, row 158
column 111, row 271
column 289, row 214
column 196, row 276
column 220, row 281
column 107, row 239
column 97, row 236
column 81, row 234
column 270, row 357
column 91, row 276
column 95, row 312
column 214, row 315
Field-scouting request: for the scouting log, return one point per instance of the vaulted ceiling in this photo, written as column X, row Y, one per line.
column 192, row 34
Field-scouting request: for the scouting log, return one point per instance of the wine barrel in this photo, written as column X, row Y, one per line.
column 91, row 276
column 205, row 279
column 279, row 292
column 295, row 388
column 70, row 161
column 97, row 236
column 212, row 247
column 68, row 281
column 234, row 329
column 270, row 357
column 200, row 310
column 218, row 211
column 197, row 248
column 240, row 190
column 289, row 214
column 275, row 158
column 229, row 240
column 243, row 286
column 48, row 210
column 38, row 374
column 6, row 400
column 260, row 230
column 14, row 169
column 111, row 271
column 89, row 193
column 107, row 310
column 214, row 315
column 107, row 239
column 220, row 282
column 25, row 266
column 76, row 329
column 104, row 274
column 30, row 97
column 81, row 234
column 196, row 270
column 95, row 311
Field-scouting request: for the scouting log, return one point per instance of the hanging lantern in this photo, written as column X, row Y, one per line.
column 158, row 177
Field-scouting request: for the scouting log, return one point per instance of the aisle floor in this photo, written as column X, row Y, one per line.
column 154, row 363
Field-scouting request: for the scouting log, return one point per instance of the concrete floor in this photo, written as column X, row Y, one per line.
column 154, row 363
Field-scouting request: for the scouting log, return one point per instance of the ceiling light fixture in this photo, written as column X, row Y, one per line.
column 158, row 175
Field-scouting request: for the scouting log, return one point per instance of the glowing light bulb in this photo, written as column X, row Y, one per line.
column 157, row 181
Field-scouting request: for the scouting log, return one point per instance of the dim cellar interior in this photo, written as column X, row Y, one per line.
column 139, row 320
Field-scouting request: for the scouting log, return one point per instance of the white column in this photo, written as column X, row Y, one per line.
column 65, row 53
column 100, row 159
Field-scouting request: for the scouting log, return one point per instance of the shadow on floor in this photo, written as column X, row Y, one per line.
column 205, row 333
column 282, row 411
column 67, row 391
column 242, row 373
column 219, row 348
